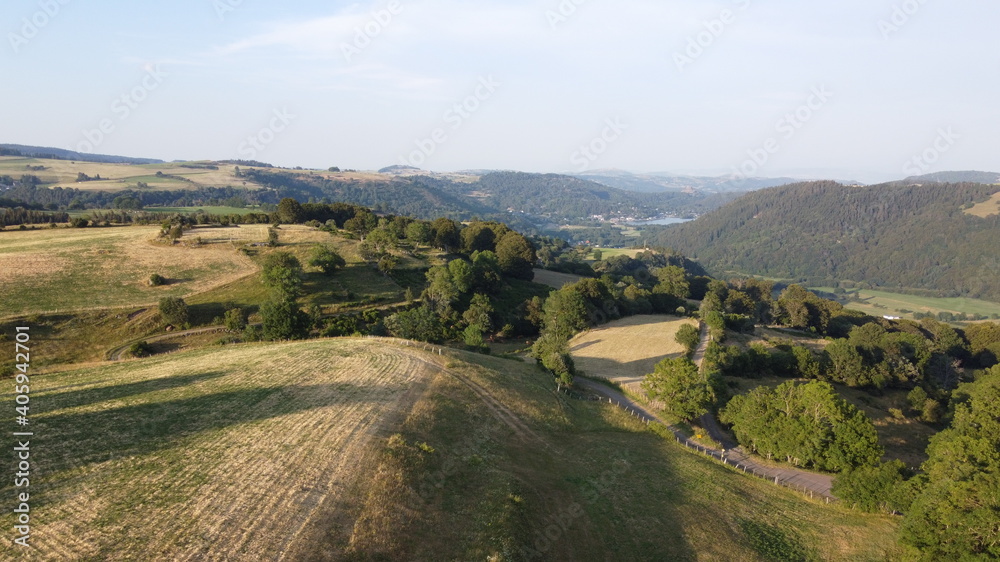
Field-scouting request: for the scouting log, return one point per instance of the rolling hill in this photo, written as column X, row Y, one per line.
column 370, row 449
column 896, row 236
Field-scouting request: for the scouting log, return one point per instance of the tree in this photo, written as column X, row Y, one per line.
column 462, row 275
column 672, row 281
column 880, row 487
column 421, row 324
column 565, row 313
column 173, row 310
column 282, row 319
column 387, row 264
column 419, row 233
column 804, row 424
column 282, row 273
column 327, row 260
column 440, row 291
column 480, row 313
column 290, row 211
column 688, row 336
column 235, row 320
column 685, row 393
column 446, row 234
column 516, row 256
column 955, row 514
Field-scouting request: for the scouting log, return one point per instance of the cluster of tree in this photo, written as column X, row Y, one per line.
column 19, row 216
column 461, row 298
column 806, row 424
column 28, row 192
column 951, row 508
column 878, row 235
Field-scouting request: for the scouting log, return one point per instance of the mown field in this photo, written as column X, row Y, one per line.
column 554, row 279
column 76, row 269
column 116, row 177
column 364, row 450
column 883, row 303
column 628, row 348
column 987, row 208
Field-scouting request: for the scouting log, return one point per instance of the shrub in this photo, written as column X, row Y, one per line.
column 140, row 349
column 174, row 310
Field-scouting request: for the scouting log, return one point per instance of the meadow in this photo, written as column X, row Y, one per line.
column 83, row 269
column 367, row 449
column 884, row 303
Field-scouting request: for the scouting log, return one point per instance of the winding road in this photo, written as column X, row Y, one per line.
column 812, row 483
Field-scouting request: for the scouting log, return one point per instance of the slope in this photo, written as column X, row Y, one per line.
column 370, row 449
column 899, row 235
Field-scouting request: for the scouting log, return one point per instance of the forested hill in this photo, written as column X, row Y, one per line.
column 892, row 235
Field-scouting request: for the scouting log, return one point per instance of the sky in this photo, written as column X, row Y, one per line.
column 866, row 90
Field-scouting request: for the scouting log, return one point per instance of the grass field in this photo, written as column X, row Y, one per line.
column 219, row 453
column 882, row 303
column 987, row 208
column 360, row 449
column 116, row 177
column 554, row 279
column 76, row 269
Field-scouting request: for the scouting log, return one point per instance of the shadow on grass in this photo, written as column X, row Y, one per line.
column 76, row 440
column 50, row 401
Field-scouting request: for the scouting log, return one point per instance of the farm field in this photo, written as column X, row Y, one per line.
column 987, row 208
column 365, row 449
column 883, row 303
column 116, row 177
column 625, row 351
column 554, row 279
column 76, row 269
column 215, row 453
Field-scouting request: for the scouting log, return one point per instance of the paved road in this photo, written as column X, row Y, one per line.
column 802, row 480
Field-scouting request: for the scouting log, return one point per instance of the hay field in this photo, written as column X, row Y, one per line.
column 626, row 350
column 554, row 279
column 987, row 208
column 213, row 454
column 75, row 269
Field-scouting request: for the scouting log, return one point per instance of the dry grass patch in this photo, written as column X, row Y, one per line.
column 213, row 454
column 554, row 279
column 627, row 350
column 81, row 269
column 987, row 208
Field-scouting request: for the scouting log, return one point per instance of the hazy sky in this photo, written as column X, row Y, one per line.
column 854, row 89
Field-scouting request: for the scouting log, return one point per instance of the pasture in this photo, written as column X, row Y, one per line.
column 364, row 449
column 884, row 303
column 986, row 208
column 554, row 279
column 212, row 454
column 625, row 351
column 82, row 269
